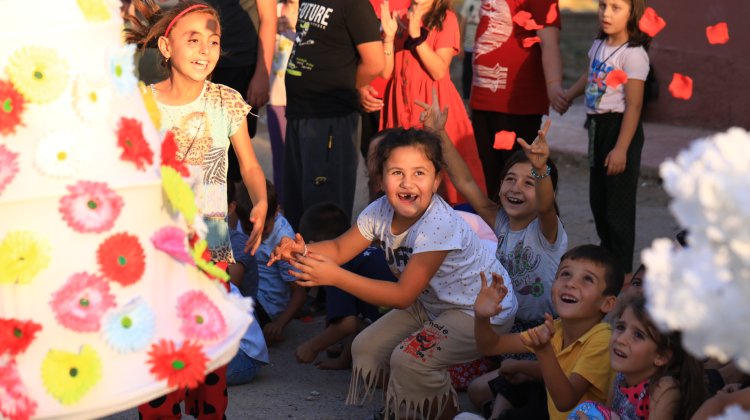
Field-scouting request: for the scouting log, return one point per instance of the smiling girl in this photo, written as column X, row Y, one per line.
column 203, row 117
column 438, row 260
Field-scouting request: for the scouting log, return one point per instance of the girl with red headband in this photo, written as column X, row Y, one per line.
column 202, row 118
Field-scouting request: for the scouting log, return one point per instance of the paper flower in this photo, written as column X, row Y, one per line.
column 15, row 403
column 92, row 98
column 201, row 319
column 122, row 68
column 22, row 256
column 8, row 167
column 94, row 10
column 182, row 367
column 38, row 73
column 150, row 103
column 59, row 154
column 169, row 155
column 134, row 146
column 202, row 259
column 90, row 206
column 178, row 192
column 80, row 303
column 12, row 106
column 703, row 289
column 16, row 335
column 121, row 258
column 69, row 376
column 171, row 239
column 130, row 328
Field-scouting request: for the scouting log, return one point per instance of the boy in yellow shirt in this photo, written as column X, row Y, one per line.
column 572, row 351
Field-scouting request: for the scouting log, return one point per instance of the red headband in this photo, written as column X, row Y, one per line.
column 181, row 14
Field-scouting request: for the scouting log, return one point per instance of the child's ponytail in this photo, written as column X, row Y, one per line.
column 143, row 29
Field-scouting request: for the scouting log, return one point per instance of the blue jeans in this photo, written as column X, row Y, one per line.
column 242, row 369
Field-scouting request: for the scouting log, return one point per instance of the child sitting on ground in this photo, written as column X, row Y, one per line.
column 279, row 297
column 244, row 273
column 572, row 351
column 346, row 315
column 656, row 377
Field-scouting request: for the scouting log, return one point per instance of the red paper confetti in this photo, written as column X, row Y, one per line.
column 615, row 78
column 504, row 140
column 681, row 86
column 521, row 18
column 717, row 34
column 531, row 25
column 651, row 23
column 552, row 13
column 528, row 42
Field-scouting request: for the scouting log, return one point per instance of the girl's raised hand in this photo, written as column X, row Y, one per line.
column 432, row 117
column 287, row 249
column 538, row 151
column 389, row 22
column 314, row 270
column 415, row 21
column 490, row 297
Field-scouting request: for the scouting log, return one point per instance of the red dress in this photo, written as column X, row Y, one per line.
column 410, row 82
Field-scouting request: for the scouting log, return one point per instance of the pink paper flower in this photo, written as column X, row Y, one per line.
column 90, row 206
column 8, row 167
column 80, row 303
column 14, row 401
column 201, row 319
column 171, row 239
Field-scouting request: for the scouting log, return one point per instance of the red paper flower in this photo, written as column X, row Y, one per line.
column 615, row 78
column 182, row 368
column 651, row 23
column 528, row 42
column 169, row 155
column 15, row 335
column 12, row 106
column 134, row 146
column 14, row 401
column 716, row 34
column 80, row 303
column 552, row 13
column 681, row 86
column 90, row 206
column 504, row 140
column 121, row 258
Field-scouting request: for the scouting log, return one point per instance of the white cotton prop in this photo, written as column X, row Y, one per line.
column 733, row 412
column 704, row 290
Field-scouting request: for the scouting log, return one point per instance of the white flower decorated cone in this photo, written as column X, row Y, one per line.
column 104, row 303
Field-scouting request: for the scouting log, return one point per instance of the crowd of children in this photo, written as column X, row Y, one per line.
column 410, row 289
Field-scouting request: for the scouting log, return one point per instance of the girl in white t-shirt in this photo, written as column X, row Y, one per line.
column 614, row 86
column 439, row 262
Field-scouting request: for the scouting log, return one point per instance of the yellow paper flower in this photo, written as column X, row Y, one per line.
column 94, row 10
column 179, row 193
column 38, row 73
column 69, row 376
column 22, row 257
column 150, row 103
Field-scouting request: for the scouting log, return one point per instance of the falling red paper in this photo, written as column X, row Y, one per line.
column 681, row 86
column 528, row 42
column 504, row 140
column 521, row 18
column 717, row 34
column 552, row 13
column 615, row 78
column 651, row 23
column 531, row 25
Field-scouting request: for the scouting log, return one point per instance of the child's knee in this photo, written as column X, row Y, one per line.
column 349, row 325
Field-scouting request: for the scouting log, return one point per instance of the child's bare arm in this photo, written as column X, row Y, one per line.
column 577, row 88
column 538, row 154
column 488, row 304
column 665, row 398
column 274, row 329
column 255, row 182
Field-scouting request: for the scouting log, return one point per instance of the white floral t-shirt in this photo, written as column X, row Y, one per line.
column 457, row 281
